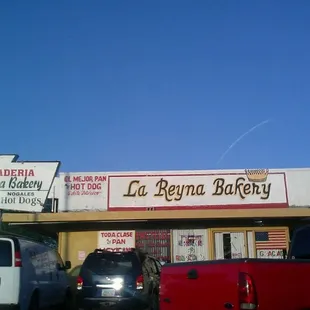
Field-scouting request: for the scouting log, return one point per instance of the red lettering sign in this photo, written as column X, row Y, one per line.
column 116, row 239
column 16, row 172
column 84, row 185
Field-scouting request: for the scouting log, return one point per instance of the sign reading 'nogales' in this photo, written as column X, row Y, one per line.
column 250, row 187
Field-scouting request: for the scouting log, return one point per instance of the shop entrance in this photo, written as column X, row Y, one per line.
column 228, row 245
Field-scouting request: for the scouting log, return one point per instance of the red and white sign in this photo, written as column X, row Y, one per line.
column 245, row 189
column 24, row 186
column 83, row 192
column 270, row 254
column 190, row 245
column 118, row 241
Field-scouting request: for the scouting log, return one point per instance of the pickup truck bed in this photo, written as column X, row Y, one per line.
column 236, row 284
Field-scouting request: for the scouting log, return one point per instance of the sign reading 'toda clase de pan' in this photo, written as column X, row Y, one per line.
column 118, row 241
column 24, row 186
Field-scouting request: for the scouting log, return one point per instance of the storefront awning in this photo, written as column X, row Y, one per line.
column 82, row 221
column 107, row 216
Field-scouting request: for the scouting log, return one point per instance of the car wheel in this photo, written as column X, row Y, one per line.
column 34, row 302
column 155, row 304
column 68, row 302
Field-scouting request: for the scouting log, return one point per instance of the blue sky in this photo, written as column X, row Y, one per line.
column 155, row 85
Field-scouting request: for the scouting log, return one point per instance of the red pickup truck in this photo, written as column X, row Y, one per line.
column 262, row 284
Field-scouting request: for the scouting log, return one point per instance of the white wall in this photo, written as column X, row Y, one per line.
column 298, row 185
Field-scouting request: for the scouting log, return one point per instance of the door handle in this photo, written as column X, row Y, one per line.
column 192, row 274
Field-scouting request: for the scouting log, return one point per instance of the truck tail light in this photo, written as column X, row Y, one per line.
column 247, row 292
column 139, row 282
column 18, row 259
column 79, row 283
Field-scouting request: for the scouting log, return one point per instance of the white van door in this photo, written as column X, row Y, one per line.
column 9, row 274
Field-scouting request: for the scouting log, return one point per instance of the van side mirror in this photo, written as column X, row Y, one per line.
column 67, row 264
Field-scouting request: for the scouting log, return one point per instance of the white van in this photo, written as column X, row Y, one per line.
column 32, row 276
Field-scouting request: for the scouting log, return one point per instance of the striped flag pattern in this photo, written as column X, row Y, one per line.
column 275, row 239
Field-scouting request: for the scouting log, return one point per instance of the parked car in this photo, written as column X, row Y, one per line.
column 32, row 275
column 264, row 284
column 122, row 280
column 73, row 274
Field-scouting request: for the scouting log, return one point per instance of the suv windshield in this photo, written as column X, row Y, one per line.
column 5, row 253
column 111, row 263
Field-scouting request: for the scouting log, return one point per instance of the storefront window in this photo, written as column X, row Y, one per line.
column 155, row 242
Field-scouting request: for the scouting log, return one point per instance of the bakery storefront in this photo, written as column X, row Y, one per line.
column 176, row 216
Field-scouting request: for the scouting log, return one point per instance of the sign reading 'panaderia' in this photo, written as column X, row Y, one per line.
column 24, row 186
column 251, row 187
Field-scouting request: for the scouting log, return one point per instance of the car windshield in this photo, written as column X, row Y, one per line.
column 111, row 263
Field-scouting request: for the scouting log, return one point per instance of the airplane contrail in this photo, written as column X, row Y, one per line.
column 241, row 137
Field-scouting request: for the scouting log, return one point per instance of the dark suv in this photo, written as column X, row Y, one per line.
column 118, row 280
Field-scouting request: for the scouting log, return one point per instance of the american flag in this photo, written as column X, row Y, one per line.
column 275, row 239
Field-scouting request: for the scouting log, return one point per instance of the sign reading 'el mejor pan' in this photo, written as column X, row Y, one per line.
column 24, row 186
column 255, row 188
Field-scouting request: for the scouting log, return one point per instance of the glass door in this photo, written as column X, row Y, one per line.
column 229, row 245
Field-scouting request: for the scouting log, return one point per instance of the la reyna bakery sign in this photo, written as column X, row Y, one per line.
column 24, row 185
column 250, row 188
